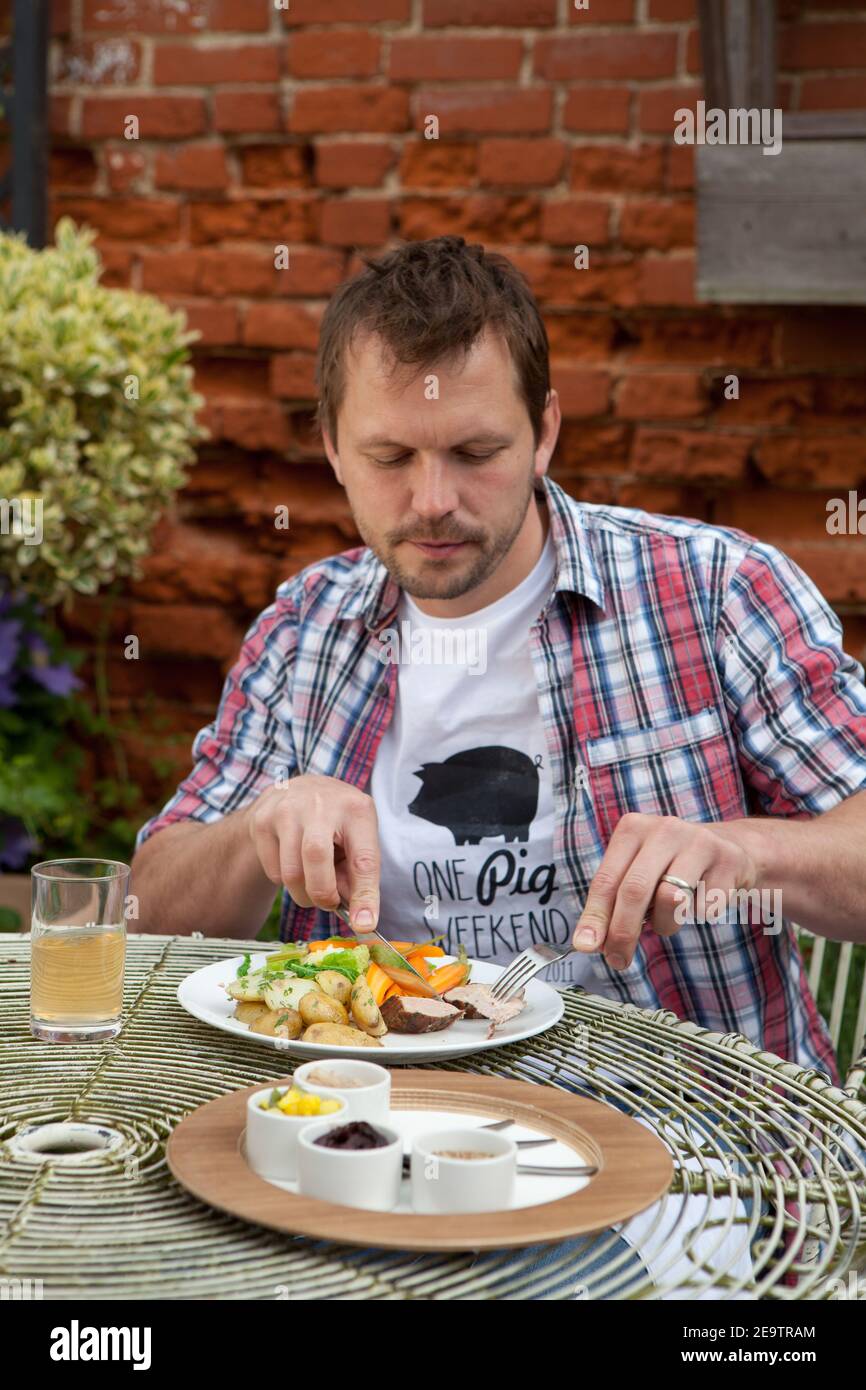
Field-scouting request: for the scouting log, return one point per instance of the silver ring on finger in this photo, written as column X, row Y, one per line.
column 679, row 883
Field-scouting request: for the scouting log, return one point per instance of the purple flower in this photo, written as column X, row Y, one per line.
column 10, row 632
column 8, row 696
column 15, row 843
column 57, row 680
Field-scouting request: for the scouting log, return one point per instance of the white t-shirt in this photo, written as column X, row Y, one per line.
column 462, row 787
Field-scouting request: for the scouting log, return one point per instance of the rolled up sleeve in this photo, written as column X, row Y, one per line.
column 797, row 701
column 249, row 744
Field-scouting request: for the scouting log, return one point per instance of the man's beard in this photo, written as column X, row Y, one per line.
column 492, row 550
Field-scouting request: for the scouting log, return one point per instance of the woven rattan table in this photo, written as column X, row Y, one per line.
column 770, row 1162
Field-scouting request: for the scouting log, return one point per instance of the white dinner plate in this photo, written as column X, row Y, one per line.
column 203, row 995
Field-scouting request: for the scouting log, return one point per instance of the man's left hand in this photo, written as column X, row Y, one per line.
column 627, row 888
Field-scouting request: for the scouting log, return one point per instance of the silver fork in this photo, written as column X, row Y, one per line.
column 523, row 967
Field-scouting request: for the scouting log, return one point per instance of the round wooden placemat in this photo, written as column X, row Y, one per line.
column 204, row 1154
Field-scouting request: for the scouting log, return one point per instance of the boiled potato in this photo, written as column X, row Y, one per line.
column 365, row 1010
column 338, row 1035
column 250, row 1010
column 248, row 987
column 278, row 1023
column 332, row 983
column 287, row 993
column 319, row 1008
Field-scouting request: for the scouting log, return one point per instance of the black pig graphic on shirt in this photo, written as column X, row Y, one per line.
column 480, row 793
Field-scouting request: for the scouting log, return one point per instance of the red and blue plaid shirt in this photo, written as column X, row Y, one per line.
column 683, row 669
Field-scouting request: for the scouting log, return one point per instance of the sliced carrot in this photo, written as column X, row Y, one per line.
column 419, row 963
column 391, row 992
column 407, row 980
column 378, row 982
column 449, row 976
column 414, row 948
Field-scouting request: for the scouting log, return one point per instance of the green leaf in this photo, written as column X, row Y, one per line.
column 103, row 460
column 10, row 920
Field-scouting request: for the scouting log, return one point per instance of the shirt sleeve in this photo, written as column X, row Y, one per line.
column 797, row 702
column 249, row 744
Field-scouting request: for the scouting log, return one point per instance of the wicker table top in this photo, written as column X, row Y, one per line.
column 766, row 1201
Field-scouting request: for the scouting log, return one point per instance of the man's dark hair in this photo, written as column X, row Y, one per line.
column 430, row 300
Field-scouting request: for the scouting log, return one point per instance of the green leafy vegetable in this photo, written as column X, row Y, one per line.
column 344, row 962
column 244, row 967
column 278, row 959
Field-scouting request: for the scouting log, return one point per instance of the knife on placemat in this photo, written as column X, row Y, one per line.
column 395, row 966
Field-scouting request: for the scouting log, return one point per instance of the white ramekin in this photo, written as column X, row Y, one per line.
column 367, row 1178
column 369, row 1102
column 467, row 1184
column 272, row 1138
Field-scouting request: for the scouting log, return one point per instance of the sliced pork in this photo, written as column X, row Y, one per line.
column 476, row 1001
column 404, row 1013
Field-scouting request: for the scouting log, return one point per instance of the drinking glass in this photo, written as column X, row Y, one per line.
column 78, row 945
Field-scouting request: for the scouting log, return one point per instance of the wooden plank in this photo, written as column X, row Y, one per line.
column 713, row 58
column 823, row 125
column 783, row 229
column 30, row 120
column 764, row 53
column 738, row 44
column 738, row 52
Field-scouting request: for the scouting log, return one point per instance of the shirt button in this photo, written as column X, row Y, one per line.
column 581, row 778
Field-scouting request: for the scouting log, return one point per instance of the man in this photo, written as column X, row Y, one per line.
column 513, row 716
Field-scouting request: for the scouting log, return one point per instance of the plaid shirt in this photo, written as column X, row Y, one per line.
column 683, row 669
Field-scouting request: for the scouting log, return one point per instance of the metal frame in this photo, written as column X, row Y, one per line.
column 24, row 90
column 822, row 972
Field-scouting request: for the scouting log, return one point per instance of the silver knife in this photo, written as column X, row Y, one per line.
column 389, row 960
column 577, row 1170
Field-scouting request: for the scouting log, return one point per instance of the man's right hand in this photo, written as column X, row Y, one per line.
column 319, row 837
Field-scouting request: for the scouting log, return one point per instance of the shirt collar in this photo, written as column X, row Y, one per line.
column 577, row 567
column 374, row 595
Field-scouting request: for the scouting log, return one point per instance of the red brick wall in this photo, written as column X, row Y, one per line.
column 261, row 127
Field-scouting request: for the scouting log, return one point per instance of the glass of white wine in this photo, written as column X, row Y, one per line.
column 78, row 946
